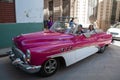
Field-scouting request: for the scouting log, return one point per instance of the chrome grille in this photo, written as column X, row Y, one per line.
column 114, row 33
column 18, row 53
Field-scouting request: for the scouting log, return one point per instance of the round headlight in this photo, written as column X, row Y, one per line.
column 28, row 55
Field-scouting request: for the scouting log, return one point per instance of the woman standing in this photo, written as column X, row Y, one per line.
column 50, row 22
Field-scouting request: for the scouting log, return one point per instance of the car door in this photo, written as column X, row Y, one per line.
column 85, row 46
column 85, row 40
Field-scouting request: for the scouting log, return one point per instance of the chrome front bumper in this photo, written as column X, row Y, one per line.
column 18, row 59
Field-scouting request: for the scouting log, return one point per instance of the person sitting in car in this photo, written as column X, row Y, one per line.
column 91, row 29
column 80, row 29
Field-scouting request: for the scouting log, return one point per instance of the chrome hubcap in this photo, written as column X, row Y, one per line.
column 50, row 66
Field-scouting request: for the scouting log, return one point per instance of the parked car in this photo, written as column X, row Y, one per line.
column 45, row 51
column 115, row 31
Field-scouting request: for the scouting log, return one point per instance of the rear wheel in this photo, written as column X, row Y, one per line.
column 49, row 67
column 102, row 49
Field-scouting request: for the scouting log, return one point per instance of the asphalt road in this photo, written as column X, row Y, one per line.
column 104, row 66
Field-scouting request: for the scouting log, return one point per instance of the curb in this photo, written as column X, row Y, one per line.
column 4, row 52
column 4, row 55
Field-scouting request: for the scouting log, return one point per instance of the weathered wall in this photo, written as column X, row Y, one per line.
column 8, row 31
column 29, row 11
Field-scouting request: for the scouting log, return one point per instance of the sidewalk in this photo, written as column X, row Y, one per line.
column 3, row 52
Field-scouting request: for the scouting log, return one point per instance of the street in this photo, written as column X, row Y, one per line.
column 104, row 66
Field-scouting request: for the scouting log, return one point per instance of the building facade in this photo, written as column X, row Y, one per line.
column 84, row 11
column 11, row 11
column 52, row 8
column 19, row 17
column 115, row 11
column 87, row 11
column 102, row 13
column 108, row 13
column 118, row 11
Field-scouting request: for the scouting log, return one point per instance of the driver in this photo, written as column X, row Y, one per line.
column 80, row 29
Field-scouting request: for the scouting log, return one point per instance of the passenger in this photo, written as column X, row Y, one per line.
column 80, row 29
column 91, row 29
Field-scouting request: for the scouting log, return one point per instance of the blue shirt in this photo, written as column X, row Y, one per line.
column 71, row 24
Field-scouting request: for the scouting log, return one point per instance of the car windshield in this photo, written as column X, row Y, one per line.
column 61, row 28
column 117, row 25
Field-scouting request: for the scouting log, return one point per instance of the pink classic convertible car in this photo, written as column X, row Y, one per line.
column 45, row 51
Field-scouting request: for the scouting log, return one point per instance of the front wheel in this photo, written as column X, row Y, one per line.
column 49, row 67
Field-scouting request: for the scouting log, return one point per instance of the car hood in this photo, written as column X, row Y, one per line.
column 41, row 39
column 114, row 30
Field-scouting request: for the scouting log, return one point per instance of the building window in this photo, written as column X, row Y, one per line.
column 113, row 11
column 51, row 8
column 66, row 8
column 7, row 11
column 51, row 5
